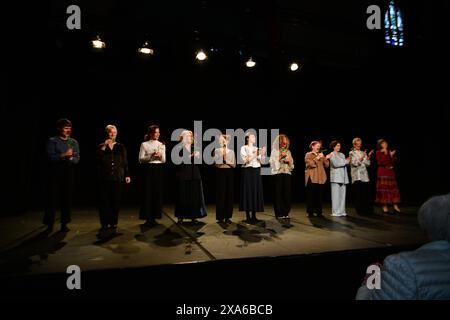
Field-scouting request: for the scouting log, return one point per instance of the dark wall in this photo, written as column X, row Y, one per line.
column 385, row 92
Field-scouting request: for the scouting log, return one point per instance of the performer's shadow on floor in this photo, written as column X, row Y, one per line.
column 34, row 251
column 346, row 225
column 176, row 235
column 105, row 236
column 364, row 223
column 168, row 237
column 252, row 232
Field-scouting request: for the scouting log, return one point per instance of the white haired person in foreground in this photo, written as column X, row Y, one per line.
column 423, row 274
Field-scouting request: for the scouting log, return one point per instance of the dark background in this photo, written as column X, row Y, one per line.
column 352, row 84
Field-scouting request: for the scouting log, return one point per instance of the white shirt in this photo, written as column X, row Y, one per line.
column 229, row 162
column 150, row 147
column 280, row 166
column 250, row 158
column 358, row 167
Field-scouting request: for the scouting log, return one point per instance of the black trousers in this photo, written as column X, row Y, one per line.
column 110, row 196
column 152, row 198
column 59, row 190
column 314, row 198
column 362, row 197
column 281, row 194
column 224, row 193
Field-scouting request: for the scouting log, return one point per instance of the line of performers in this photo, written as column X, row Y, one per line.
column 112, row 165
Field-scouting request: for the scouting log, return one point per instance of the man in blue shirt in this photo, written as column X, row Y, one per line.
column 63, row 153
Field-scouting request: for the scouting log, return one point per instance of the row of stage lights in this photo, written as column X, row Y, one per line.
column 200, row 55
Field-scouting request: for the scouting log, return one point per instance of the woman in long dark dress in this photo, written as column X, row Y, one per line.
column 190, row 203
column 113, row 172
column 252, row 198
column 152, row 156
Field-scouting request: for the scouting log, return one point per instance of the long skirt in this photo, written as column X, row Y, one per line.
column 152, row 197
column 387, row 190
column 281, row 194
column 190, row 203
column 252, row 198
column 224, row 193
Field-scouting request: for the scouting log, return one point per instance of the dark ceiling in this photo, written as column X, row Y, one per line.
column 333, row 32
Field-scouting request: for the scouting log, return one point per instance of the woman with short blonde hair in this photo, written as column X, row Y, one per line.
column 225, row 162
column 359, row 162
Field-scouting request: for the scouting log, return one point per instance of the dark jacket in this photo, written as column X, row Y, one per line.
column 112, row 165
column 421, row 274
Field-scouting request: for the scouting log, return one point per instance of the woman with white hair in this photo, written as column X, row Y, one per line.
column 112, row 167
column 282, row 164
column 225, row 162
column 422, row 274
column 190, row 202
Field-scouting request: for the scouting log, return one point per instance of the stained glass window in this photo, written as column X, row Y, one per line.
column 393, row 25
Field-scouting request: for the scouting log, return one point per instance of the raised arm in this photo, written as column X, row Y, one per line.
column 125, row 162
column 310, row 160
column 274, row 160
column 337, row 161
column 143, row 158
column 163, row 153
column 76, row 152
column 52, row 152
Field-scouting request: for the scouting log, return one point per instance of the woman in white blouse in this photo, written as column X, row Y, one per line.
column 225, row 161
column 152, row 156
column 252, row 199
column 282, row 164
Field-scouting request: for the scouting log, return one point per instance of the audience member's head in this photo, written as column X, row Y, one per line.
column 434, row 217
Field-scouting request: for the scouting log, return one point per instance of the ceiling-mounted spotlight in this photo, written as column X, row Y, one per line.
column 145, row 49
column 98, row 43
column 294, row 66
column 250, row 63
column 201, row 55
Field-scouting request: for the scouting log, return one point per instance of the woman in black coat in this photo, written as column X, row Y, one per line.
column 113, row 172
column 190, row 203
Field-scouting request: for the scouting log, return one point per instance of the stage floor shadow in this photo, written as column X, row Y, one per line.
column 135, row 245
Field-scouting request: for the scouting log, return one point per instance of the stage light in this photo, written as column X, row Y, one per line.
column 294, row 67
column 146, row 49
column 201, row 55
column 250, row 63
column 98, row 43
